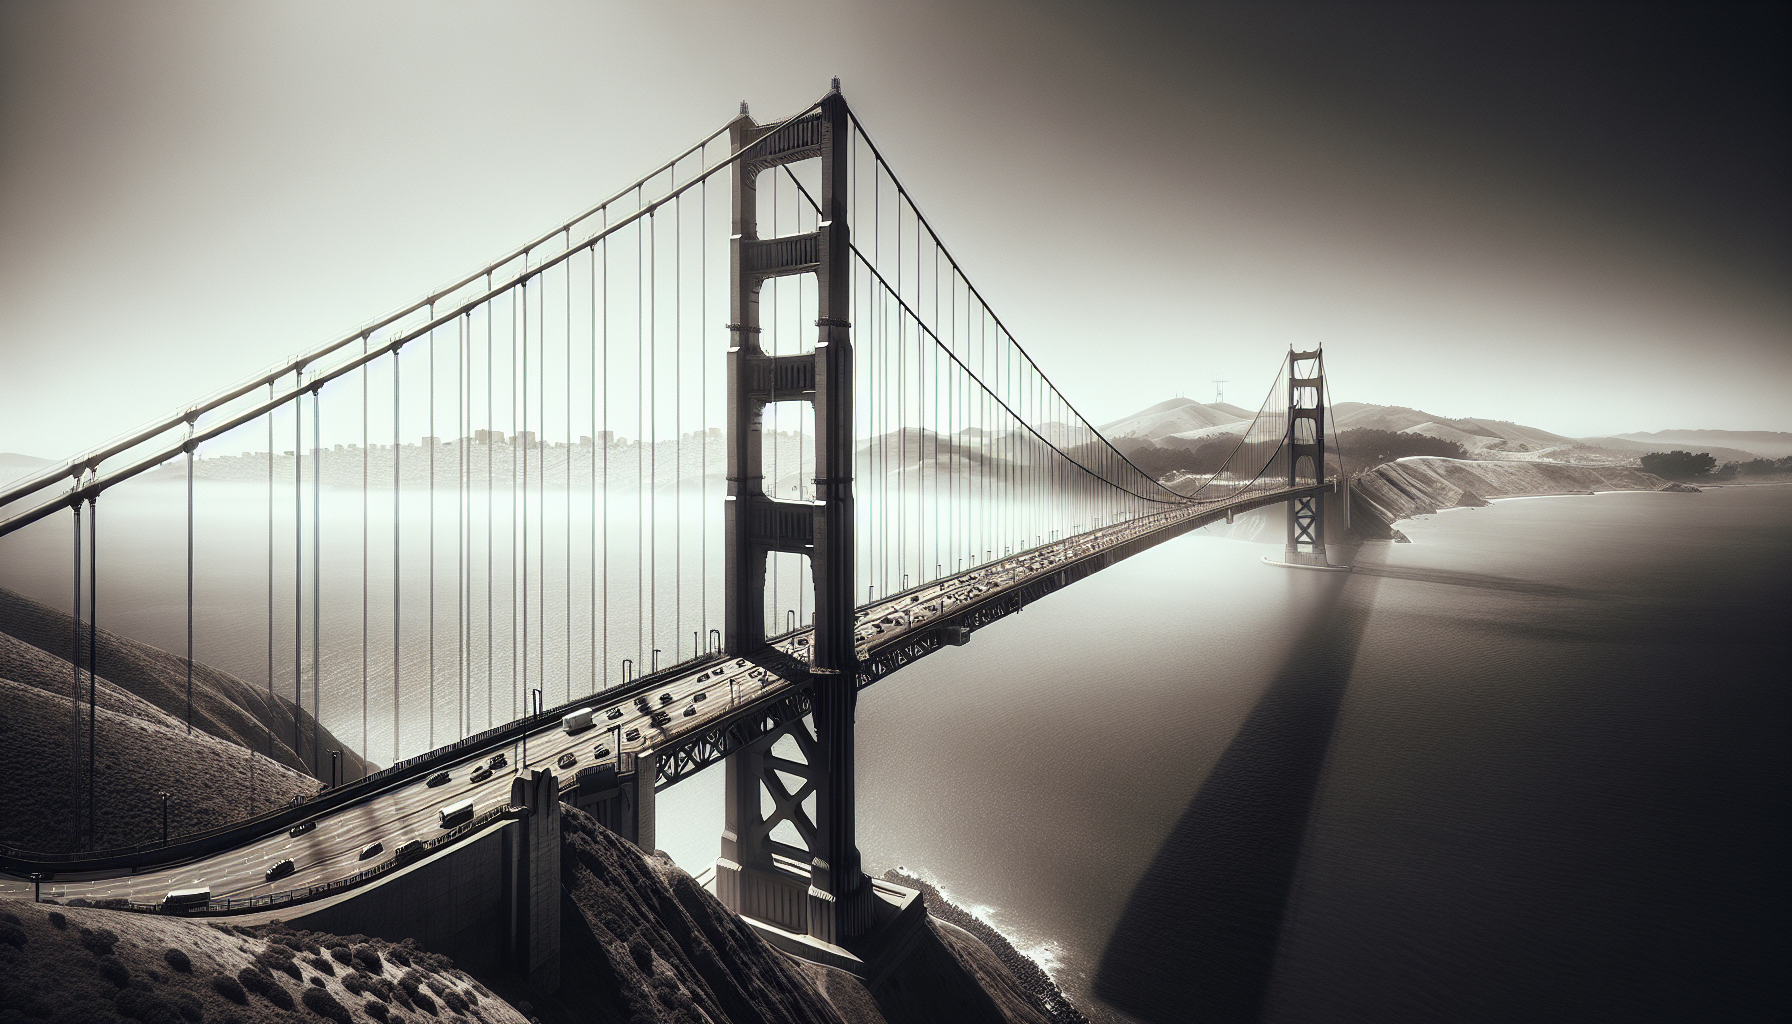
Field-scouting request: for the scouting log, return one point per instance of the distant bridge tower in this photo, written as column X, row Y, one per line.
column 1306, row 458
column 819, row 891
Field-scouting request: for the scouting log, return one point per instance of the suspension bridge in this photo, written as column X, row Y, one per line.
column 703, row 462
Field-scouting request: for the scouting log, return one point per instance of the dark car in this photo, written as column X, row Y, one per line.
column 373, row 849
column 567, row 760
column 688, row 712
column 614, row 714
column 659, row 719
column 601, row 751
column 498, row 760
column 480, row 774
column 279, row 869
column 409, row 851
column 665, row 698
column 632, row 735
column 301, row 828
column 438, row 778
column 701, row 696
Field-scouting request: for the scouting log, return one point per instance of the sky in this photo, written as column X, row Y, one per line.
column 1570, row 216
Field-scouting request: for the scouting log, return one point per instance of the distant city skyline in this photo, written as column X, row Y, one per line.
column 1573, row 218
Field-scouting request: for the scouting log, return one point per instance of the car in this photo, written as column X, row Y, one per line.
column 688, row 712
column 301, row 828
column 703, row 678
column 701, row 696
column 498, row 760
column 665, row 698
column 600, row 751
column 567, row 760
column 409, row 852
column 373, row 849
column 279, row 869
column 438, row 778
column 742, row 663
column 614, row 714
column 481, row 774
column 659, row 719
column 632, row 735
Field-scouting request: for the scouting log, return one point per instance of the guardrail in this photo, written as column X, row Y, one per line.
column 245, row 904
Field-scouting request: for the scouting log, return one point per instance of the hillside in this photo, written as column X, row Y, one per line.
column 1175, row 416
column 95, row 966
column 223, row 705
column 648, row 943
column 1418, row 486
column 140, row 751
column 1769, row 444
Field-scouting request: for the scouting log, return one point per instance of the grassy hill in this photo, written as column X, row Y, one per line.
column 223, row 705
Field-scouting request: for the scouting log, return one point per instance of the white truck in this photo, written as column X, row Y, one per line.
column 577, row 720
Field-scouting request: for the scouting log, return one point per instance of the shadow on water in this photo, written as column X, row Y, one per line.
column 1197, row 940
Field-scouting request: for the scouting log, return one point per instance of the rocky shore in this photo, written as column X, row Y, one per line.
column 1044, row 993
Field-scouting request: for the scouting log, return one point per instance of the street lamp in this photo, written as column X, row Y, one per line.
column 656, row 659
column 37, row 886
column 334, row 781
column 627, row 665
column 164, row 819
column 535, row 696
column 715, row 639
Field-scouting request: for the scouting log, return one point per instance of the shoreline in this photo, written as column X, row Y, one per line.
column 1047, row 997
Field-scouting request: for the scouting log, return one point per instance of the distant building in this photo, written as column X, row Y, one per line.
column 524, row 439
column 488, row 436
column 432, row 442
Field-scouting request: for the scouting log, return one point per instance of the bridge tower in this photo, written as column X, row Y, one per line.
column 819, row 891
column 1306, row 458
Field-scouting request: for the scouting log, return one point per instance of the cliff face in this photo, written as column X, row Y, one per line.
column 642, row 941
column 1410, row 487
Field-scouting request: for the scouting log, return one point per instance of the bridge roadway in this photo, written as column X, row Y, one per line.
column 705, row 697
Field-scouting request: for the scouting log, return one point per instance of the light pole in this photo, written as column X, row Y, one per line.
column 534, row 696
column 334, row 781
column 656, row 659
column 715, row 639
column 164, row 819
column 627, row 665
column 37, row 886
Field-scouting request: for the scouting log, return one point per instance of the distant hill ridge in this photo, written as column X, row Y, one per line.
column 1182, row 423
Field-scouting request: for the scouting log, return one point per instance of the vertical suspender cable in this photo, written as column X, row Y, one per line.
column 397, row 579
column 317, row 573
column 189, row 447
column 298, row 569
column 93, row 659
column 74, row 664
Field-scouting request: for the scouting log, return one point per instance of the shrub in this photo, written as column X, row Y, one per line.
column 12, row 935
column 279, row 958
column 58, row 920
column 400, row 954
column 322, row 964
column 325, row 1005
column 454, row 1001
column 147, row 1007
column 178, row 959
column 369, row 959
column 113, row 971
column 99, row 941
column 229, row 988
column 341, row 955
column 189, row 1006
column 264, row 985
column 376, row 1009
column 9, row 917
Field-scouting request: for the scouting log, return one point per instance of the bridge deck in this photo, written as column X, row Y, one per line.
column 713, row 706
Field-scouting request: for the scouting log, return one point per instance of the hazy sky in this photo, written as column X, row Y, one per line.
column 1570, row 216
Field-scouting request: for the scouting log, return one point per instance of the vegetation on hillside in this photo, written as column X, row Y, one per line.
column 87, row 965
column 1679, row 465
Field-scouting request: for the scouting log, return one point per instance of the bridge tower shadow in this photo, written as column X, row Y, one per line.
column 1198, row 938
